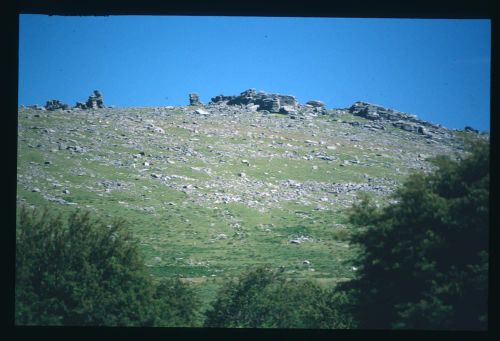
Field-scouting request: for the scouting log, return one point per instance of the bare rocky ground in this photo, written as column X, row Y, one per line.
column 211, row 189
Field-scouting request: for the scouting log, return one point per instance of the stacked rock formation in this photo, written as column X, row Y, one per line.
column 264, row 101
column 95, row 101
column 194, row 99
column 55, row 104
column 398, row 119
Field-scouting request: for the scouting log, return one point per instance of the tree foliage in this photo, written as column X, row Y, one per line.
column 424, row 260
column 263, row 298
column 88, row 272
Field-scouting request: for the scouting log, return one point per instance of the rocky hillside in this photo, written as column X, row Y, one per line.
column 210, row 189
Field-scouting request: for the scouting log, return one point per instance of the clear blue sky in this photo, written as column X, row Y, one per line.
column 436, row 69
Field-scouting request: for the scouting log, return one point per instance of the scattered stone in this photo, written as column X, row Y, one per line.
column 300, row 240
column 220, row 236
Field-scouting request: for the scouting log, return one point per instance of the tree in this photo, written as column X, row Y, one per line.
column 177, row 304
column 423, row 262
column 264, row 298
column 86, row 272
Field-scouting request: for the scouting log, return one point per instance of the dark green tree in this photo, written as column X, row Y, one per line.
column 423, row 261
column 263, row 298
column 87, row 272
column 177, row 304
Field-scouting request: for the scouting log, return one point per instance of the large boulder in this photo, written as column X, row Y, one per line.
column 287, row 100
column 471, row 130
column 316, row 104
column 249, row 96
column 411, row 127
column 378, row 113
column 80, row 105
column 221, row 99
column 288, row 110
column 201, row 112
column 270, row 104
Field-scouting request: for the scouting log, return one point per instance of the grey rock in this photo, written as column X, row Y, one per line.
column 261, row 101
column 201, row 112
column 221, row 99
column 411, row 127
column 471, row 130
column 95, row 101
column 194, row 99
column 270, row 104
column 287, row 110
column 55, row 105
column 316, row 104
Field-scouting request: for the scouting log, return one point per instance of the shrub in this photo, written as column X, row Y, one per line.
column 87, row 272
column 178, row 305
column 262, row 298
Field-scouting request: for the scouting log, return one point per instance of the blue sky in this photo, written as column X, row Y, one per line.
column 436, row 69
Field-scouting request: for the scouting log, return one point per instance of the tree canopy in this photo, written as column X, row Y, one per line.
column 423, row 261
column 88, row 272
column 264, row 298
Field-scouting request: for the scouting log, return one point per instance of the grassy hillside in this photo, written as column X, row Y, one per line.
column 208, row 196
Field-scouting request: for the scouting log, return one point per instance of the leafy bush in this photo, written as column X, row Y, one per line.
column 263, row 298
column 88, row 272
column 177, row 304
column 424, row 259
